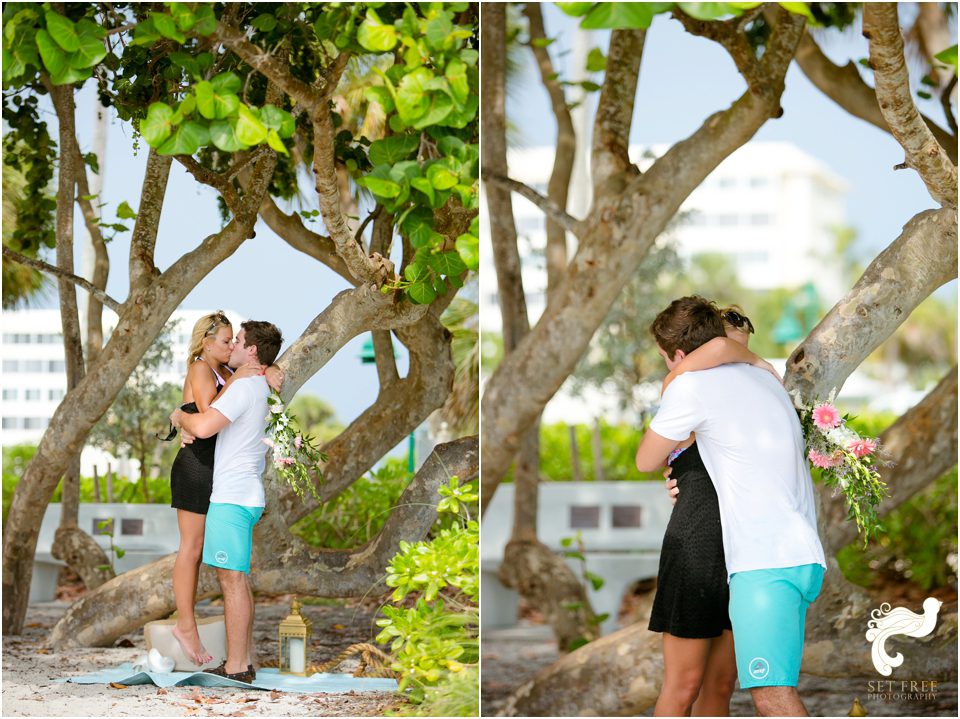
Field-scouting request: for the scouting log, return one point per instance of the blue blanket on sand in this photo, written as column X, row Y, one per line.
column 266, row 679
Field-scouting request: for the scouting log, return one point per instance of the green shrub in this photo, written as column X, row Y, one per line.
column 438, row 636
column 358, row 513
column 455, row 695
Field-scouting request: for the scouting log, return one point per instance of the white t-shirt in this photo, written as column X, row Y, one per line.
column 752, row 446
column 239, row 461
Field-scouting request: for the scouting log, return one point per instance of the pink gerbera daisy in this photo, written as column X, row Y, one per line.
column 823, row 461
column 825, row 416
column 862, row 447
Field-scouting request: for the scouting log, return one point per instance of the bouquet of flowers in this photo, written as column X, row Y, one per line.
column 848, row 462
column 295, row 456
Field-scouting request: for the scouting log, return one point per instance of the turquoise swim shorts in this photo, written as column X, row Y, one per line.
column 768, row 608
column 228, row 536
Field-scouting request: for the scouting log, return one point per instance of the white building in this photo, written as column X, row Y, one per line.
column 770, row 207
column 34, row 378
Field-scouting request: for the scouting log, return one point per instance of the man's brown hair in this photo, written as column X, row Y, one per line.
column 686, row 324
column 265, row 336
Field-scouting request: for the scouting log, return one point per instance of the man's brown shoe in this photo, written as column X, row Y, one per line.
column 246, row 677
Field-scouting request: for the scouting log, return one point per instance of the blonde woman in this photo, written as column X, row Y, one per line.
column 191, row 477
column 690, row 607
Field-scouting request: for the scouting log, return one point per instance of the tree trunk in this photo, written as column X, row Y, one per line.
column 83, row 555
column 282, row 563
column 576, row 471
column 528, row 566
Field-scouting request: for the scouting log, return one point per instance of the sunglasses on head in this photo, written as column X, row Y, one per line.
column 219, row 320
column 738, row 320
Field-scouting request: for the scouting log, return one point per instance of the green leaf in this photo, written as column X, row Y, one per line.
column 156, row 126
column 214, row 104
column 120, row 552
column 441, row 177
column 456, row 74
column 265, row 22
column 167, row 27
column 393, row 149
column 418, row 225
column 948, row 57
column 448, row 264
column 798, row 8
column 274, row 141
column 206, row 21
column 469, row 248
column 440, row 108
column 543, row 41
column 145, row 33
column 924, row 94
column 125, row 212
column 224, row 136
column 381, row 96
column 439, row 29
column 226, row 83
column 596, row 581
column 187, row 139
column 596, row 62
column 421, row 293
column 57, row 62
column 182, row 15
column 707, row 10
column 575, row 9
column 249, row 129
column 374, row 36
column 412, row 98
column 423, row 184
column 276, row 119
column 380, row 183
column 617, row 15
column 62, row 30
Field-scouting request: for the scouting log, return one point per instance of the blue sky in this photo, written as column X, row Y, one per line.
column 683, row 79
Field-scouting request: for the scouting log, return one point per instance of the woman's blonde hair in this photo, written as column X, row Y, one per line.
column 206, row 326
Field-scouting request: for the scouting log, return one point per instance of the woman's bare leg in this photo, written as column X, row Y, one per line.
column 684, row 664
column 719, row 679
column 186, row 571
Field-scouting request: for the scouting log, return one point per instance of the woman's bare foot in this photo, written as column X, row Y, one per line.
column 189, row 642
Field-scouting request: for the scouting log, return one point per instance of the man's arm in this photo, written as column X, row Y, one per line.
column 204, row 424
column 653, row 451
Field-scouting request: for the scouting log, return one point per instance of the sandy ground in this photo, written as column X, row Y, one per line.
column 29, row 671
column 512, row 656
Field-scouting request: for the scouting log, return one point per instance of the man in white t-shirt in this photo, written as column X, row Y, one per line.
column 239, row 419
column 752, row 446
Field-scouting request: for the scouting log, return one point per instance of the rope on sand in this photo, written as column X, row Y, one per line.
column 373, row 661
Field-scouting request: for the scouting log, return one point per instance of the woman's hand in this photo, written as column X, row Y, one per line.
column 763, row 364
column 250, row 369
column 671, row 485
column 274, row 377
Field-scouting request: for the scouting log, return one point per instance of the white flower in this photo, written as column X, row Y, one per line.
column 277, row 408
column 842, row 436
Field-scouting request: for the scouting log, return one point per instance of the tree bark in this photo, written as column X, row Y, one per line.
column 919, row 261
column 528, row 566
column 923, row 153
column 281, row 562
column 83, row 555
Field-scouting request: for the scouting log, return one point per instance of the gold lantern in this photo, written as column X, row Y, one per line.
column 294, row 633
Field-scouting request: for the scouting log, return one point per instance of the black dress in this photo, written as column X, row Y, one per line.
column 191, row 477
column 692, row 592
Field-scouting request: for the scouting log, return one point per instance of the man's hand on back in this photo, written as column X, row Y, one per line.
column 671, row 485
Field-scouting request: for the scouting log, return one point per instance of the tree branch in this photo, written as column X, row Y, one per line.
column 144, row 239
column 919, row 261
column 845, row 87
column 611, row 124
column 548, row 207
column 558, row 186
column 948, row 112
column 728, row 34
column 62, row 274
column 923, row 153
